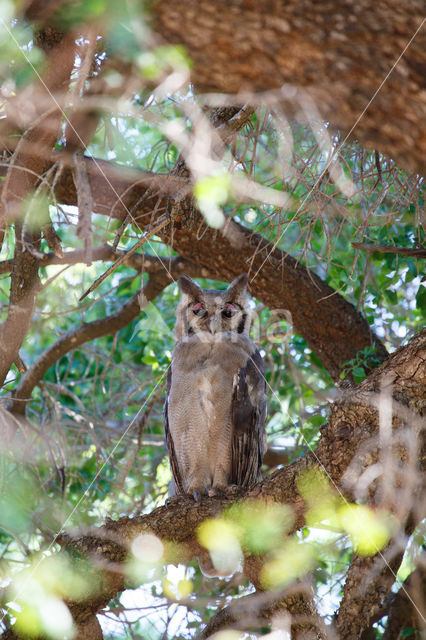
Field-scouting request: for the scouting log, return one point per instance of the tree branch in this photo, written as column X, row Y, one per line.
column 159, row 279
column 354, row 64
column 387, row 248
column 32, row 154
column 24, row 171
column 407, row 608
column 259, row 609
column 332, row 327
column 367, row 582
column 105, row 253
column 23, row 289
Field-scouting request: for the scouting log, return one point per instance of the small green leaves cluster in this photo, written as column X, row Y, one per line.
column 359, row 367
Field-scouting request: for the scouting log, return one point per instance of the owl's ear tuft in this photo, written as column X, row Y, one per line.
column 189, row 287
column 238, row 287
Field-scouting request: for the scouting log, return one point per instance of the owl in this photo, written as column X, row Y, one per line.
column 215, row 409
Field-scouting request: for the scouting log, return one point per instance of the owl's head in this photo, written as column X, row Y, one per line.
column 212, row 311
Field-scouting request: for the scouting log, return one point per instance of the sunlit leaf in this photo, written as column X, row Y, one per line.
column 221, row 538
column 369, row 530
column 321, row 500
column 39, row 611
column 260, row 526
column 211, row 193
column 177, row 591
column 289, row 563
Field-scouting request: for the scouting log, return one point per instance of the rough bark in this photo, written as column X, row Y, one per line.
column 23, row 290
column 339, row 56
column 407, row 608
column 362, row 63
column 342, row 55
column 353, row 423
column 295, row 606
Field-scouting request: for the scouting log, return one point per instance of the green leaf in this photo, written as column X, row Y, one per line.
column 412, row 267
column 421, row 300
column 358, row 374
column 391, row 296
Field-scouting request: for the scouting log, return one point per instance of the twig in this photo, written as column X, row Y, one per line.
column 388, row 248
column 379, row 168
column 85, row 203
column 164, row 220
column 52, row 239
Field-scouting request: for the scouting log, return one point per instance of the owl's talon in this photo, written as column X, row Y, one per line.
column 197, row 496
column 211, row 492
column 232, row 491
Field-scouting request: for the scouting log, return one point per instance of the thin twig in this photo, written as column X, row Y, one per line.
column 388, row 248
column 164, row 220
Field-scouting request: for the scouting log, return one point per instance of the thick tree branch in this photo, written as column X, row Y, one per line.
column 332, row 327
column 361, row 64
column 24, row 171
column 367, row 582
column 23, row 290
column 33, row 153
column 260, row 608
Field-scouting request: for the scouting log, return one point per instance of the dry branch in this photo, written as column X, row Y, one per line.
column 85, row 205
column 127, row 255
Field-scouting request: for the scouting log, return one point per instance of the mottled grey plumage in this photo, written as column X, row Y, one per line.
column 215, row 409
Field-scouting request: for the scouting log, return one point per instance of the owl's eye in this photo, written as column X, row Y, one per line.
column 198, row 309
column 229, row 310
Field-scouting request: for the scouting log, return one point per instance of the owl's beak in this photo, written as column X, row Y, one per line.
column 213, row 324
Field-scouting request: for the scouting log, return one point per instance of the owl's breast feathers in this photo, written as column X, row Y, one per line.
column 216, row 403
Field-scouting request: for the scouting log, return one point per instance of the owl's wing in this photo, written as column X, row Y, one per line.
column 169, row 440
column 248, row 422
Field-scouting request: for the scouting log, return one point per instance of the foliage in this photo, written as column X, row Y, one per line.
column 365, row 359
